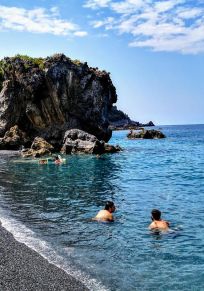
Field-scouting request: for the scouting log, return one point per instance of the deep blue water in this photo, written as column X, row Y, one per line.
column 49, row 208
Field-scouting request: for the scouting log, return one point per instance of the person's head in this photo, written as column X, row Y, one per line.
column 110, row 206
column 56, row 158
column 156, row 214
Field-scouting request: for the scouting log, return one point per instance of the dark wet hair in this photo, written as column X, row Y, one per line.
column 109, row 204
column 156, row 214
column 56, row 158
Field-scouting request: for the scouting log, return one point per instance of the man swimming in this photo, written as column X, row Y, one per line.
column 58, row 160
column 43, row 161
column 106, row 213
column 157, row 222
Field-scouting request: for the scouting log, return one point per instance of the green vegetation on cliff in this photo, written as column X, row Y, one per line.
column 24, row 63
column 7, row 64
column 29, row 60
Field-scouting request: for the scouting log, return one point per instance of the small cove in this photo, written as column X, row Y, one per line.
column 55, row 203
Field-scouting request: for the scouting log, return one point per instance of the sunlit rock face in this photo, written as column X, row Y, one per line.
column 38, row 148
column 46, row 97
column 13, row 139
column 145, row 134
column 77, row 141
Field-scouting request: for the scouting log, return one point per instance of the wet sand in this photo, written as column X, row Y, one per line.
column 21, row 268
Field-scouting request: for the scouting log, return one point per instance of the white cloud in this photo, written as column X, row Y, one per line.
column 108, row 23
column 81, row 33
column 192, row 13
column 161, row 25
column 163, row 6
column 129, row 6
column 95, row 4
column 37, row 20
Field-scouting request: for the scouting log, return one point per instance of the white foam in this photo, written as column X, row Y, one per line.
column 25, row 235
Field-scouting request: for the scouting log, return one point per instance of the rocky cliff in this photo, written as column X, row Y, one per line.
column 119, row 120
column 46, row 97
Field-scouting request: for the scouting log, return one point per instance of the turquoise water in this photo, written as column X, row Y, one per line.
column 53, row 205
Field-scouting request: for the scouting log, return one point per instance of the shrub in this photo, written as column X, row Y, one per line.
column 77, row 62
column 35, row 61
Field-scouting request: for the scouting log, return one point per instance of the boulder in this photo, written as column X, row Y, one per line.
column 78, row 141
column 145, row 134
column 39, row 147
column 111, row 149
column 14, row 139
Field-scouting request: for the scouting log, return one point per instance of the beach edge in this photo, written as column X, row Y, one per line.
column 22, row 268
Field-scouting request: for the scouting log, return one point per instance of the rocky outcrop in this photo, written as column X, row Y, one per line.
column 78, row 141
column 46, row 97
column 120, row 121
column 150, row 123
column 14, row 139
column 145, row 134
column 110, row 149
column 38, row 148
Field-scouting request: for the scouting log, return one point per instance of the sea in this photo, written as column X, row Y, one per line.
column 49, row 208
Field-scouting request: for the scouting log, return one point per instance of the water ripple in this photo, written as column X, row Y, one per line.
column 57, row 203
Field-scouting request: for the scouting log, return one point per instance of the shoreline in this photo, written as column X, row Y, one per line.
column 22, row 268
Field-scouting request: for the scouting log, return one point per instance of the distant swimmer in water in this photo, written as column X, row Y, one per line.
column 157, row 222
column 106, row 213
column 43, row 161
column 58, row 160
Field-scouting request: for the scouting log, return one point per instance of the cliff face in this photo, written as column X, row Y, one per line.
column 119, row 120
column 46, row 97
column 118, row 117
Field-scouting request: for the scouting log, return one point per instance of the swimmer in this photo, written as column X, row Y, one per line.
column 58, row 160
column 106, row 213
column 157, row 222
column 43, row 161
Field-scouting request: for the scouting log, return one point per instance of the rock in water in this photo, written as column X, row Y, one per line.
column 38, row 148
column 78, row 141
column 145, row 134
column 46, row 97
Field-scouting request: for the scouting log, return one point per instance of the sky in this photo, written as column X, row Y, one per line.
column 153, row 49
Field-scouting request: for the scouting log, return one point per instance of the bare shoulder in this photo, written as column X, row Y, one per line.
column 101, row 213
column 104, row 215
column 160, row 224
column 152, row 225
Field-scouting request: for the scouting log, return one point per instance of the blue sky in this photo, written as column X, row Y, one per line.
column 154, row 50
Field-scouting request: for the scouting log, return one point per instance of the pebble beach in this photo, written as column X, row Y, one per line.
column 21, row 268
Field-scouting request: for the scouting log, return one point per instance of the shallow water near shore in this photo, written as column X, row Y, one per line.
column 49, row 208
